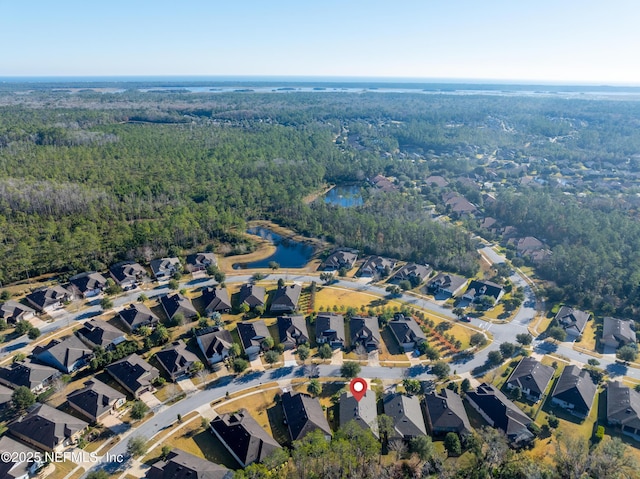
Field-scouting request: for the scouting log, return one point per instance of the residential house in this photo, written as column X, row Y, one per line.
column 575, row 391
column 477, row 289
column 47, row 428
column 182, row 465
column 445, row 413
column 330, row 330
column 251, row 294
column 407, row 332
column 50, row 299
column 6, row 395
column 128, row 274
column 13, row 311
column 176, row 360
column 412, row 272
column 376, row 266
column 303, row 414
column 23, row 463
column 365, row 331
column 214, row 343
column 165, row 268
column 617, row 332
column 340, row 259
column 527, row 246
column 292, row 331
column 383, row 183
column 532, row 377
column 66, row 355
column 88, row 285
column 458, row 205
column 286, row 298
column 200, row 262
column 623, row 408
column 174, row 304
column 98, row 333
column 252, row 334
column 406, row 413
column 96, row 400
column 136, row 315
column 572, row 320
column 364, row 412
column 436, row 180
column 501, row 413
column 215, row 300
column 134, row 374
column 35, row 376
column 243, row 437
column 445, row 284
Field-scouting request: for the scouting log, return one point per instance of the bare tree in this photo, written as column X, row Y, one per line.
column 399, row 447
column 312, row 370
column 361, row 351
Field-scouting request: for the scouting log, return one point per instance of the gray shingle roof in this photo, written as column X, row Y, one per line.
column 618, row 330
column 133, row 373
column 407, row 330
column 504, row 414
column 13, row 311
column 46, row 425
column 406, row 412
column 19, row 468
column 623, row 405
column 182, row 465
column 100, row 333
column 200, row 261
column 531, row 374
column 216, row 299
column 410, row 270
column 164, row 266
column 44, row 298
column 176, row 358
column 286, row 298
column 127, row 272
column 445, row 412
column 27, row 373
column 365, row 330
column 331, row 327
column 95, row 398
column 176, row 303
column 293, row 330
column 572, row 320
column 137, row 314
column 214, row 341
column 63, row 353
column 251, row 294
column 303, row 415
column 252, row 333
column 84, row 282
column 576, row 387
column 242, row 435
column 364, row 412
column 340, row 259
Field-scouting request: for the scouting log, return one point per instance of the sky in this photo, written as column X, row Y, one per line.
column 552, row 41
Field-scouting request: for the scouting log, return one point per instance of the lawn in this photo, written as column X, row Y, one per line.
column 329, row 296
column 62, row 469
column 194, row 439
column 588, row 337
column 263, row 408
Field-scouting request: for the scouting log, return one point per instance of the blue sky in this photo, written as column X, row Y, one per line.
column 562, row 41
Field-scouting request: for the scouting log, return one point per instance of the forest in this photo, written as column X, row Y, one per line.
column 88, row 178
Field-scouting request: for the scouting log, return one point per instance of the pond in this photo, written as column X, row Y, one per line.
column 289, row 253
column 346, row 196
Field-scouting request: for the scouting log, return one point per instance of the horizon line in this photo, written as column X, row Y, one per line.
column 317, row 78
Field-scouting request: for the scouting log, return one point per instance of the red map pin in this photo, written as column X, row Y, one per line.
column 358, row 388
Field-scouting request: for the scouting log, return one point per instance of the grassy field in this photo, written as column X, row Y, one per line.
column 329, row 296
column 196, row 440
column 62, row 469
column 264, row 408
column 588, row 337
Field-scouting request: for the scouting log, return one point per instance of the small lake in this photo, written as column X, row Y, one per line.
column 346, row 196
column 289, row 253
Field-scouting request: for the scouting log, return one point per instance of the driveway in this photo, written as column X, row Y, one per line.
column 289, row 358
column 186, row 384
column 114, row 423
column 150, row 400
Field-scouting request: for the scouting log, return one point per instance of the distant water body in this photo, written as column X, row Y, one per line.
column 278, row 84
